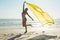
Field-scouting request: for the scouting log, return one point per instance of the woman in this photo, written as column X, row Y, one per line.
column 24, row 13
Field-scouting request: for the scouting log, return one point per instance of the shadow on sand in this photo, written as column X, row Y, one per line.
column 43, row 37
column 17, row 36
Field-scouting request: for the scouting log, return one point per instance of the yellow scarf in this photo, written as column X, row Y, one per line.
column 40, row 14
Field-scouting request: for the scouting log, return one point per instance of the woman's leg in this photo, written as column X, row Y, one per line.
column 28, row 25
column 25, row 29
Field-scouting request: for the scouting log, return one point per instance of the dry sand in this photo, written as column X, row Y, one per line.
column 18, row 34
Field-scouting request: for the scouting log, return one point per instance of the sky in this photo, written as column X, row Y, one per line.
column 12, row 9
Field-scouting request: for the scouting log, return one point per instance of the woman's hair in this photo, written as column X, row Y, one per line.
column 26, row 9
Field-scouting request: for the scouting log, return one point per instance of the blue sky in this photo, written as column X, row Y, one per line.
column 13, row 8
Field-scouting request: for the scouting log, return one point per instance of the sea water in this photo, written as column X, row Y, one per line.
column 12, row 23
column 17, row 23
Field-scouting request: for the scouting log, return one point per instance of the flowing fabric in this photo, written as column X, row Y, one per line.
column 40, row 14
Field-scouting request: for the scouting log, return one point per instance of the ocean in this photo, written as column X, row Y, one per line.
column 17, row 23
column 12, row 23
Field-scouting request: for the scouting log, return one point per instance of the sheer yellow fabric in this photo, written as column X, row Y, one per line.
column 40, row 14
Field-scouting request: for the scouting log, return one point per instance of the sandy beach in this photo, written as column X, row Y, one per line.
column 18, row 34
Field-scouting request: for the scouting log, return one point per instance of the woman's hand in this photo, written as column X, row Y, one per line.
column 24, row 1
column 32, row 20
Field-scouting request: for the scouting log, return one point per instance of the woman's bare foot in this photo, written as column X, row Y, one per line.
column 25, row 32
column 29, row 25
